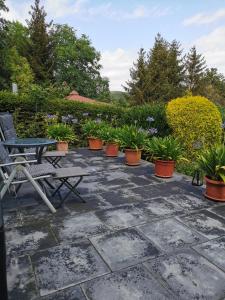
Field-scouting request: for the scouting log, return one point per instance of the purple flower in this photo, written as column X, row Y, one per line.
column 51, row 116
column 85, row 114
column 65, row 119
column 150, row 119
column 98, row 120
column 141, row 130
column 74, row 121
column 153, row 131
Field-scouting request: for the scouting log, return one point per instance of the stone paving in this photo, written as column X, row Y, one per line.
column 137, row 237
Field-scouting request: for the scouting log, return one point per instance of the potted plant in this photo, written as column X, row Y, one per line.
column 63, row 134
column 110, row 136
column 132, row 140
column 92, row 130
column 165, row 152
column 212, row 163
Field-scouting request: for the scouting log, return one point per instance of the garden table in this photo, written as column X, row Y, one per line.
column 24, row 143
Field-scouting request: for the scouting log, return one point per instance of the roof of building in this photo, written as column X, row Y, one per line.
column 74, row 96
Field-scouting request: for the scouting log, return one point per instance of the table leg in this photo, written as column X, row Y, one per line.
column 39, row 152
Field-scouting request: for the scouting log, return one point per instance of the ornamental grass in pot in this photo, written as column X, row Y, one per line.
column 212, row 163
column 111, row 138
column 63, row 134
column 132, row 141
column 165, row 152
column 92, row 130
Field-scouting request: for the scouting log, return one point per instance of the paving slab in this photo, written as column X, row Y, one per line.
column 158, row 208
column 170, row 235
column 20, row 279
column 66, row 265
column 189, row 275
column 135, row 283
column 124, row 248
column 73, row 293
column 121, row 196
column 28, row 239
column 206, row 223
column 12, row 219
column 121, row 217
column 76, row 226
column 214, row 251
column 219, row 210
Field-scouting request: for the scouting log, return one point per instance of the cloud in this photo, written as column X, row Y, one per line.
column 212, row 46
column 17, row 10
column 116, row 66
column 204, row 18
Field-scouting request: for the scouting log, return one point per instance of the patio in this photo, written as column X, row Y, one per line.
column 137, row 237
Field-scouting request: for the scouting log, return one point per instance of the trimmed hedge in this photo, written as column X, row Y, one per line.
column 29, row 112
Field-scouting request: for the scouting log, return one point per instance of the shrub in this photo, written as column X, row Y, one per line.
column 61, row 132
column 195, row 121
column 166, row 148
column 132, row 138
column 110, row 134
column 93, row 129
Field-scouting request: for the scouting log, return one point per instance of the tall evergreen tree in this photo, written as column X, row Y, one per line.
column 195, row 67
column 136, row 87
column 41, row 48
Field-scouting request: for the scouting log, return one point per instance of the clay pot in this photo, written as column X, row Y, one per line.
column 164, row 168
column 215, row 190
column 62, row 146
column 112, row 150
column 95, row 144
column 132, row 157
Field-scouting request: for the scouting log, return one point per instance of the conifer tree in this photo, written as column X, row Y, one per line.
column 195, row 67
column 136, row 87
column 41, row 48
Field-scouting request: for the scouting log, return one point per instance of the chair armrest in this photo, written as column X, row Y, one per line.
column 21, row 154
column 22, row 162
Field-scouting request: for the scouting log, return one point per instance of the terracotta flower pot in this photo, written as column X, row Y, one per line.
column 95, row 144
column 62, row 146
column 132, row 157
column 215, row 190
column 112, row 150
column 164, row 168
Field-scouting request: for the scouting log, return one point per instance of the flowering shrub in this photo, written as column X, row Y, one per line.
column 195, row 121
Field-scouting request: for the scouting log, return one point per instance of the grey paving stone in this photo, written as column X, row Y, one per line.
column 135, row 283
column 144, row 180
column 189, row 202
column 66, row 265
column 121, row 217
column 121, row 196
column 27, row 239
column 124, row 248
column 20, row 279
column 206, row 223
column 189, row 275
column 12, row 219
column 219, row 210
column 158, row 207
column 78, row 226
column 214, row 251
column 73, row 293
column 170, row 235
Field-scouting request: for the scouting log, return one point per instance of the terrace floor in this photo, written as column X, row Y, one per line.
column 136, row 238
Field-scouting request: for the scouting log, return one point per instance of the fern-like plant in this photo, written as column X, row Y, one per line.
column 132, row 138
column 61, row 132
column 110, row 135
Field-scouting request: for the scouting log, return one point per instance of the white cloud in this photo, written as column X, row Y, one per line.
column 17, row 10
column 116, row 66
column 213, row 48
column 204, row 18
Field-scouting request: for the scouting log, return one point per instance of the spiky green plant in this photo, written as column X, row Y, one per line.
column 110, row 134
column 61, row 132
column 132, row 138
column 212, row 162
column 167, row 148
column 93, row 129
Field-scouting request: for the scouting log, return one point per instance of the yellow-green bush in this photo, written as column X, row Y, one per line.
column 195, row 121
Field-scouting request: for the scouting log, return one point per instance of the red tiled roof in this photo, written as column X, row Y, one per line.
column 74, row 96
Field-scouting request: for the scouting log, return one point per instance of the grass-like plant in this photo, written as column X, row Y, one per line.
column 132, row 138
column 61, row 132
column 212, row 162
column 166, row 148
column 93, row 129
column 110, row 135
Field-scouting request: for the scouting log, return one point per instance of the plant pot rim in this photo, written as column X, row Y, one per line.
column 132, row 150
column 94, row 138
column 216, row 182
column 165, row 161
column 62, row 142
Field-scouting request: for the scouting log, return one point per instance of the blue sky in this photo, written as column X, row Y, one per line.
column 119, row 28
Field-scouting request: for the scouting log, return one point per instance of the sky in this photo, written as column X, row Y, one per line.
column 119, row 28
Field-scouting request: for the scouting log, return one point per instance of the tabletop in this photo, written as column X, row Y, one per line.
column 29, row 142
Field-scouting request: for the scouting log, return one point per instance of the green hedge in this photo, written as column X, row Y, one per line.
column 30, row 114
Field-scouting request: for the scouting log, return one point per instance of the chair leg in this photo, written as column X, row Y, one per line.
column 7, row 184
column 39, row 190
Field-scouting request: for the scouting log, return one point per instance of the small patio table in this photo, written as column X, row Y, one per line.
column 23, row 143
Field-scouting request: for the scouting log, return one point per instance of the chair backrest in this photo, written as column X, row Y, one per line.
column 7, row 126
column 5, row 158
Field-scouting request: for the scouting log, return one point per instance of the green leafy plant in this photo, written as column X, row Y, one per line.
column 110, row 134
column 212, row 162
column 132, row 138
column 166, row 148
column 61, row 132
column 93, row 129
